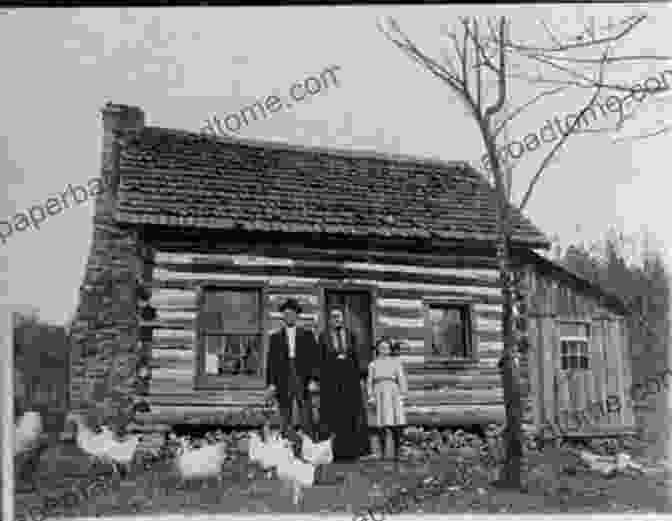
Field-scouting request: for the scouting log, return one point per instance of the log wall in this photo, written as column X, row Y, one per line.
column 453, row 393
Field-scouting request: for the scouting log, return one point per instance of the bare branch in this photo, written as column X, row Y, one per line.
column 613, row 59
column 520, row 109
column 479, row 87
column 550, row 34
column 547, row 159
column 659, row 132
column 593, row 42
column 493, row 109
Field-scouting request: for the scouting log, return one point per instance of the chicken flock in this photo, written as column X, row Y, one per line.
column 267, row 449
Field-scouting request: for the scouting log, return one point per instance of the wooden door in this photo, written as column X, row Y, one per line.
column 575, row 362
column 357, row 310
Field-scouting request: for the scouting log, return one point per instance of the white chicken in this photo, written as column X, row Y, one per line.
column 29, row 444
column 92, row 444
column 295, row 473
column 316, row 453
column 319, row 454
column 121, row 453
column 104, row 446
column 269, row 451
column 605, row 465
column 27, row 433
column 200, row 463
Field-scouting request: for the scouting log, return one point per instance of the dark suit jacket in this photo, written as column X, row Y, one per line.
column 307, row 360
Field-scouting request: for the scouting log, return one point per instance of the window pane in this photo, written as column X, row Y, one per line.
column 584, row 362
column 231, row 309
column 232, row 354
column 573, row 329
column 448, row 332
column 573, row 362
column 575, row 348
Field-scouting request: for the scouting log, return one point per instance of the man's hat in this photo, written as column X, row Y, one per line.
column 291, row 303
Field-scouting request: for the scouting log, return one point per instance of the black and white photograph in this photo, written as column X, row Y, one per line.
column 345, row 260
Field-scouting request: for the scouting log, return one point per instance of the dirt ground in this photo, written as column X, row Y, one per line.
column 345, row 488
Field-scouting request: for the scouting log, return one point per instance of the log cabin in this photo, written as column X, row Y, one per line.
column 198, row 239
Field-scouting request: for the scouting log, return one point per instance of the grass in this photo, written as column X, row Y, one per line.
column 349, row 487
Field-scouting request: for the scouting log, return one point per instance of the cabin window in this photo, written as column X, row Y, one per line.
column 449, row 331
column 574, row 342
column 230, row 329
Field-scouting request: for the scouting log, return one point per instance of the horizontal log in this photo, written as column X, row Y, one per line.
column 171, row 343
column 184, row 335
column 414, row 346
column 488, row 362
column 487, row 308
column 490, row 349
column 241, row 260
column 170, row 386
column 487, row 275
column 304, row 299
column 406, row 304
column 445, row 415
column 456, row 380
column 180, row 366
column 441, row 256
column 170, row 279
column 279, row 275
column 415, row 397
column 166, row 315
column 484, row 324
column 403, row 313
column 277, row 315
column 184, row 373
column 173, row 299
column 456, row 286
column 172, row 323
column 409, row 323
column 213, row 258
column 412, row 359
column 466, row 291
column 488, row 336
column 416, row 334
column 173, row 355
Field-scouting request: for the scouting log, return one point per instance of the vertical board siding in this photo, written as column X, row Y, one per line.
column 598, row 364
column 534, row 354
column 561, row 391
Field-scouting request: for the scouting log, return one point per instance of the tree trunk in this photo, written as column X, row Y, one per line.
column 509, row 366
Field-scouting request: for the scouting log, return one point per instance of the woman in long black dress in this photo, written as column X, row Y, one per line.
column 342, row 410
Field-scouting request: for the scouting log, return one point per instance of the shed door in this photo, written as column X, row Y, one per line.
column 578, row 375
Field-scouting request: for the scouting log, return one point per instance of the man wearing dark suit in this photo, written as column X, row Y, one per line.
column 293, row 368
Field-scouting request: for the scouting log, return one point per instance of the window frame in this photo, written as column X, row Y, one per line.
column 218, row 382
column 580, row 355
column 470, row 337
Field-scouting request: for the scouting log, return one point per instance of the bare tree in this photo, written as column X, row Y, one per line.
column 485, row 58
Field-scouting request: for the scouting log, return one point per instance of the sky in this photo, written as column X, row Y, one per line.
column 181, row 65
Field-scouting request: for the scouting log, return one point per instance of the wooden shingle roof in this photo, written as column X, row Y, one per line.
column 178, row 178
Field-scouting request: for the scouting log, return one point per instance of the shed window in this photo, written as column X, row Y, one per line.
column 574, row 341
column 230, row 328
column 450, row 330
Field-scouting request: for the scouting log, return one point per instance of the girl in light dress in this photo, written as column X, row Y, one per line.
column 387, row 387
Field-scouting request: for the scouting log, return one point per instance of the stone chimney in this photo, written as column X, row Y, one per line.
column 104, row 339
column 117, row 120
